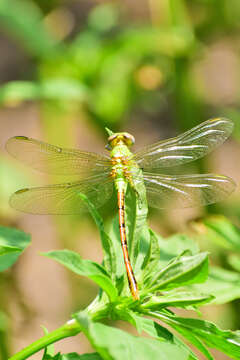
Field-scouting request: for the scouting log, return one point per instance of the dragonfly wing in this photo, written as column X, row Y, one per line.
column 186, row 190
column 186, row 147
column 62, row 199
column 55, row 160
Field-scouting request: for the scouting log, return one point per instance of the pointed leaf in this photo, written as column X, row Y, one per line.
column 168, row 249
column 234, row 261
column 12, row 244
column 9, row 249
column 130, row 316
column 94, row 271
column 194, row 340
column 109, row 261
column 157, row 331
column 223, row 284
column 177, row 299
column 112, row 343
column 224, row 340
column 155, row 250
column 175, row 245
column 113, row 234
column 220, row 230
column 181, row 271
column 138, row 236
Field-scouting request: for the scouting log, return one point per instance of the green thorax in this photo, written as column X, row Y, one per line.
column 120, row 151
column 122, row 164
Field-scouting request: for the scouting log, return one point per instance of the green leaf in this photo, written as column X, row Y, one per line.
column 171, row 41
column 220, row 230
column 51, row 89
column 113, row 233
column 177, row 299
column 128, row 315
column 24, row 20
column 138, row 236
column 119, row 60
column 180, row 271
column 112, row 343
column 74, row 356
column 223, row 284
column 155, row 251
column 110, row 254
column 175, row 245
column 49, row 357
column 16, row 91
column 224, row 340
column 62, row 89
column 92, row 270
column 12, row 243
column 159, row 332
column 234, row 261
column 103, row 17
column 165, row 250
column 194, row 340
column 9, row 249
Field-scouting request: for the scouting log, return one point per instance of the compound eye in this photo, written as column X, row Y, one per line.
column 111, row 141
column 129, row 139
column 111, row 138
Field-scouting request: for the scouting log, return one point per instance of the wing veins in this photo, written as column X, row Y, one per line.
column 189, row 146
column 187, row 190
column 63, row 198
column 56, row 160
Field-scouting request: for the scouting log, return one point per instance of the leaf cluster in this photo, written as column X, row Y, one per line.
column 172, row 273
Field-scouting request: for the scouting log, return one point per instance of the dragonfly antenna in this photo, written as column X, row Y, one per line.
column 110, row 132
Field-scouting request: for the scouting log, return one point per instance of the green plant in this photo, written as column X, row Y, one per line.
column 12, row 243
column 98, row 68
column 167, row 271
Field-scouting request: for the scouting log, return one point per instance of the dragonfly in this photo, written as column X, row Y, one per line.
column 99, row 174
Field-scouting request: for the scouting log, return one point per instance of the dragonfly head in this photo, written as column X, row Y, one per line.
column 120, row 138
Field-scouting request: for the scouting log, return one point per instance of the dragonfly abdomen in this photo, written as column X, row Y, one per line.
column 130, row 275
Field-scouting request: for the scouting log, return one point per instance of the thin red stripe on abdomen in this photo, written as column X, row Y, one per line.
column 130, row 275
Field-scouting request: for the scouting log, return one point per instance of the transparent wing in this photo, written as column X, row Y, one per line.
column 55, row 160
column 186, row 190
column 63, row 198
column 186, row 147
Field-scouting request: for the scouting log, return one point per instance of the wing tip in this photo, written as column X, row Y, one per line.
column 14, row 199
column 18, row 204
column 233, row 185
column 224, row 120
column 13, row 139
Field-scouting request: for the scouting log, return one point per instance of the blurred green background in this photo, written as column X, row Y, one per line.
column 153, row 68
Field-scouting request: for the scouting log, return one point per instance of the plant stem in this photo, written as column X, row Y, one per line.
column 71, row 328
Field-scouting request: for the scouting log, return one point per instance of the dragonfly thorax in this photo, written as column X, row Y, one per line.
column 120, row 152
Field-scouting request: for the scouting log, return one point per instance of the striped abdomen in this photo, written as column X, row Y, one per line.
column 130, row 275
